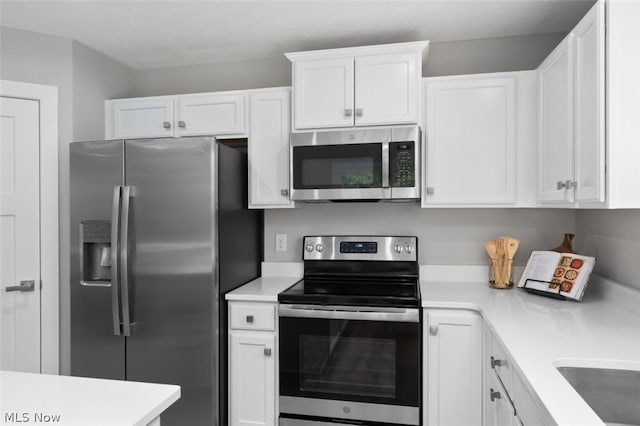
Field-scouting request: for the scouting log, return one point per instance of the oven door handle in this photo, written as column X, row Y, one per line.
column 350, row 313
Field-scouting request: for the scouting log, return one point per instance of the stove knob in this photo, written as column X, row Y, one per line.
column 309, row 247
column 320, row 247
column 398, row 248
column 408, row 248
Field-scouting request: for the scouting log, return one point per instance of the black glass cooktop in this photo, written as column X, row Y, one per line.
column 354, row 291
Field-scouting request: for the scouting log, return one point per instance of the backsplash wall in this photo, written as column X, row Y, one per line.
column 445, row 236
column 613, row 237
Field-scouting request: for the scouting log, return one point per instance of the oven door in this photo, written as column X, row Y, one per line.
column 340, row 172
column 351, row 363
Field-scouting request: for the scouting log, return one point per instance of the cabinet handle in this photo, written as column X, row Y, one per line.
column 433, row 330
column 495, row 363
column 494, row 395
column 182, row 124
column 348, row 112
column 430, row 190
column 166, row 125
column 267, row 351
column 560, row 185
column 250, row 319
column 284, row 192
column 570, row 184
column 359, row 112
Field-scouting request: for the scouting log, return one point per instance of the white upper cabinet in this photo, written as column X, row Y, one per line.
column 139, row 118
column 387, row 88
column 211, row 114
column 555, row 116
column 215, row 114
column 479, row 139
column 589, row 120
column 358, row 86
column 324, row 94
column 587, row 159
column 268, row 148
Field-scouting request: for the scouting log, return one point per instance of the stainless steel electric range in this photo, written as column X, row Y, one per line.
column 350, row 339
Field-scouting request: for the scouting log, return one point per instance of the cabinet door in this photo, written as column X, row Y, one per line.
column 211, row 114
column 471, row 140
column 498, row 408
column 589, row 106
column 555, row 132
column 323, row 93
column 387, row 89
column 139, row 118
column 268, row 148
column 252, row 388
column 453, row 373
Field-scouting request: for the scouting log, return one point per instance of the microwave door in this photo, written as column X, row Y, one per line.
column 340, row 172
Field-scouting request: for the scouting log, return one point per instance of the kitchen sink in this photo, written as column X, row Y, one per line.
column 613, row 394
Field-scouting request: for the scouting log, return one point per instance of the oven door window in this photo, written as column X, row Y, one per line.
column 365, row 361
column 337, row 166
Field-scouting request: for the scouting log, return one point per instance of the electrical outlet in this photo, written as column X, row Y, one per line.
column 281, row 242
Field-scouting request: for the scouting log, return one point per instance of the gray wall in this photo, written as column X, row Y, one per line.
column 613, row 237
column 84, row 79
column 457, row 57
column 446, row 236
column 515, row 53
column 271, row 72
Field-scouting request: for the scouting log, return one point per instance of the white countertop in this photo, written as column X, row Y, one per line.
column 81, row 401
column 263, row 289
column 541, row 333
column 276, row 277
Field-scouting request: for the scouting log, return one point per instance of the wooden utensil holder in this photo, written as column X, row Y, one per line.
column 501, row 273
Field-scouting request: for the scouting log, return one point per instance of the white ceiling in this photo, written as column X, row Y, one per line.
column 155, row 34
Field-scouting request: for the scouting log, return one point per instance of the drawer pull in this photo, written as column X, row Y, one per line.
column 267, row 351
column 496, row 363
column 494, row 395
column 250, row 319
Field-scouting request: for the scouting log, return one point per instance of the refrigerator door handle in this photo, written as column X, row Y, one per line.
column 115, row 225
column 124, row 258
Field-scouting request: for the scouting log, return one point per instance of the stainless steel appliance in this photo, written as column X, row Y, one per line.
column 359, row 164
column 350, row 339
column 160, row 230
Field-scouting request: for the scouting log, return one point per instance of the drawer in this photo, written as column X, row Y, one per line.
column 501, row 364
column 252, row 316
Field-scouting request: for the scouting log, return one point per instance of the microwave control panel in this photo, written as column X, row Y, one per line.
column 402, row 169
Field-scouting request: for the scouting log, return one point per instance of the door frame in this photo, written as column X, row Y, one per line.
column 47, row 98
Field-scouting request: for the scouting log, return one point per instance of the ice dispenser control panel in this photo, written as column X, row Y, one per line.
column 96, row 252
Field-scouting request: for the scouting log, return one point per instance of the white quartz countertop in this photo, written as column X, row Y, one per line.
column 541, row 334
column 64, row 400
column 276, row 277
column 263, row 289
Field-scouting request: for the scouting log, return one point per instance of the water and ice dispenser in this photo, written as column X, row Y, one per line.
column 95, row 259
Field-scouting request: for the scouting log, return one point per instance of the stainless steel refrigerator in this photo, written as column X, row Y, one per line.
column 160, row 230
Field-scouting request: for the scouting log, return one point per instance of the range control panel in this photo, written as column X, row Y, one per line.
column 351, row 247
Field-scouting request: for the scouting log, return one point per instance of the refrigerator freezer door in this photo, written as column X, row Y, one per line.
column 172, row 284
column 96, row 168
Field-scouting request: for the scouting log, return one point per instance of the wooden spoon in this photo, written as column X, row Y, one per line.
column 512, row 245
column 490, row 246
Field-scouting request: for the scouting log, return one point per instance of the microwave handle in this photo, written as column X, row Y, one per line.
column 385, row 164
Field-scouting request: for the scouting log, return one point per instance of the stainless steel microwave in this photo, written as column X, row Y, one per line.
column 359, row 164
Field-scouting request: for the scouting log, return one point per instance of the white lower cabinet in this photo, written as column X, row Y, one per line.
column 252, row 364
column 507, row 401
column 452, row 367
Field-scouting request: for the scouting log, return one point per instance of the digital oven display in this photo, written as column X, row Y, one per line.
column 358, row 247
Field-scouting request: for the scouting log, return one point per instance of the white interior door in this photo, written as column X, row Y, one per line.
column 19, row 235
